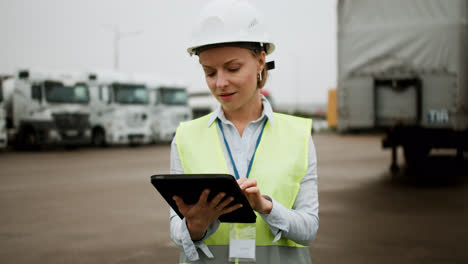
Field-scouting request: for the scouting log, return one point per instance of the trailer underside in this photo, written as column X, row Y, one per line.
column 417, row 142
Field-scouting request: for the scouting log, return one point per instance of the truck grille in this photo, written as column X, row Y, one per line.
column 71, row 121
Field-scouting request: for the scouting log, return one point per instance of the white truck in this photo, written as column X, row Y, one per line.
column 47, row 108
column 403, row 67
column 3, row 129
column 169, row 107
column 119, row 110
column 202, row 103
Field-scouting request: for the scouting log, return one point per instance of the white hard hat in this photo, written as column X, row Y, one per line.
column 230, row 21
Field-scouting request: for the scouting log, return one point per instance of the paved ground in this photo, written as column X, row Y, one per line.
column 97, row 206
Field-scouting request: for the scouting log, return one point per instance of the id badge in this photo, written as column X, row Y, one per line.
column 242, row 242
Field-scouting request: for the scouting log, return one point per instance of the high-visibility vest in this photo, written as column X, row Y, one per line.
column 279, row 165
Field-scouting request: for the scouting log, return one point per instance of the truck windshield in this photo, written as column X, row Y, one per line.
column 130, row 94
column 56, row 92
column 173, row 96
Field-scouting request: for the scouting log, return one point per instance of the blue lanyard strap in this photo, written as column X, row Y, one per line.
column 230, row 154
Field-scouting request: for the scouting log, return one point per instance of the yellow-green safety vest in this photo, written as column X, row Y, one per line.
column 279, row 165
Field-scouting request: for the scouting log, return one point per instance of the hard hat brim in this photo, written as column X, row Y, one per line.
column 195, row 50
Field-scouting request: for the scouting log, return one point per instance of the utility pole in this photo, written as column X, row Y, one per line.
column 119, row 35
column 297, row 81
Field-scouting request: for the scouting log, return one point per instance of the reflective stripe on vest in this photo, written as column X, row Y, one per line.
column 263, row 254
column 279, row 165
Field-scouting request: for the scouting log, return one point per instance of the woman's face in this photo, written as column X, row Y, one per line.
column 231, row 74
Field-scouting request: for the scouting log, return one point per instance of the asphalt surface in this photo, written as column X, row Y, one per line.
column 98, row 206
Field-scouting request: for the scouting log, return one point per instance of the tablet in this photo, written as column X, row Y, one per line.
column 190, row 187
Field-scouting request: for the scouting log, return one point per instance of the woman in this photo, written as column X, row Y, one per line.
column 272, row 155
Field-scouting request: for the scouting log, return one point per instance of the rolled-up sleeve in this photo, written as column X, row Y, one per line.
column 178, row 227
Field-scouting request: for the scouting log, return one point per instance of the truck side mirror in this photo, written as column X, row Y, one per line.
column 110, row 94
column 92, row 77
column 23, row 74
column 36, row 92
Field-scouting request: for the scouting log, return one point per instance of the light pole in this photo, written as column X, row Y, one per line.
column 118, row 35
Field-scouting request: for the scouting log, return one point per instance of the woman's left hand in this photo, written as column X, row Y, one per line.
column 255, row 198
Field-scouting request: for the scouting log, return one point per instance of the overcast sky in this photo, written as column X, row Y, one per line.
column 75, row 35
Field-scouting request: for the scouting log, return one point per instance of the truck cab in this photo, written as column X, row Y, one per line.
column 169, row 107
column 119, row 110
column 48, row 108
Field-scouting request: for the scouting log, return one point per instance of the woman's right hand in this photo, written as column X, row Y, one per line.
column 201, row 215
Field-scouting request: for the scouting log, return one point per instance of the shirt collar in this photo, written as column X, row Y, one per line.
column 267, row 111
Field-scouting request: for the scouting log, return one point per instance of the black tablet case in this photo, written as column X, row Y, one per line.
column 190, row 186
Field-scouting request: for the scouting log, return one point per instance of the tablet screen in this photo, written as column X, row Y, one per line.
column 190, row 187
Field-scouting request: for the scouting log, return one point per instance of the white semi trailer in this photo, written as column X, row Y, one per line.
column 47, row 108
column 403, row 67
column 119, row 110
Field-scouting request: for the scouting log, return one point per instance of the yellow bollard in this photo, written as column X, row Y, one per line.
column 332, row 115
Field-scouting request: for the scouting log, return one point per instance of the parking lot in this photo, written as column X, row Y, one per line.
column 98, row 206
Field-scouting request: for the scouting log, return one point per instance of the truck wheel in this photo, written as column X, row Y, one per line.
column 28, row 140
column 99, row 138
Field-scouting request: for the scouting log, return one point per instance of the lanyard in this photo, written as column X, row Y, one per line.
column 230, row 154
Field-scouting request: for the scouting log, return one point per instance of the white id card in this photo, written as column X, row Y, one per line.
column 242, row 243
